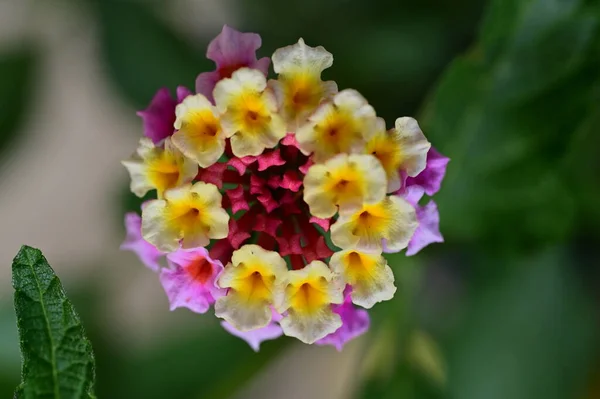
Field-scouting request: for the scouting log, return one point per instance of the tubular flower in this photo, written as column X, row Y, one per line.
column 190, row 280
column 346, row 181
column 297, row 189
column 158, row 168
column 249, row 113
column 254, row 278
column 307, row 301
column 299, row 88
column 199, row 135
column 388, row 224
column 189, row 216
column 369, row 275
column 339, row 126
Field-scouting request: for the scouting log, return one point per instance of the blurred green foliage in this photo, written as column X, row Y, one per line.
column 510, row 91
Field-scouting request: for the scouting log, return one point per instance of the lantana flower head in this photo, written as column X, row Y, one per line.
column 276, row 198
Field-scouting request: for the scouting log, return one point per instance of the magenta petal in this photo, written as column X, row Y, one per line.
column 190, row 282
column 255, row 337
column 230, row 50
column 205, row 83
column 182, row 93
column 431, row 178
column 159, row 117
column 134, row 242
column 355, row 322
column 429, row 228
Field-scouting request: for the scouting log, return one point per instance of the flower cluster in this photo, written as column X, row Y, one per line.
column 276, row 199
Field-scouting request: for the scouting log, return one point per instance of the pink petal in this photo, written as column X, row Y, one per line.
column 429, row 228
column 230, row 50
column 355, row 322
column 255, row 337
column 431, row 178
column 159, row 117
column 268, row 159
column 190, row 281
column 238, row 199
column 323, row 223
column 134, row 242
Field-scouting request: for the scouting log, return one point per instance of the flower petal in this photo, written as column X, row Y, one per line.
column 299, row 88
column 344, row 181
column 355, row 322
column 390, row 223
column 435, row 170
column 414, row 146
column 428, row 231
column 199, row 135
column 146, row 252
column 190, row 214
column 255, row 337
column 248, row 113
column 158, row 118
column 190, row 280
column 230, row 50
column 153, row 167
column 369, row 275
column 253, row 278
column 338, row 126
column 307, row 298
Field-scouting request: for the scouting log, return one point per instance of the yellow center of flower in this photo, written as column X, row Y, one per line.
column 372, row 221
column 387, row 149
column 308, row 296
column 303, row 92
column 359, row 267
column 201, row 127
column 337, row 132
column 163, row 170
column 188, row 216
column 254, row 282
column 252, row 114
column 344, row 183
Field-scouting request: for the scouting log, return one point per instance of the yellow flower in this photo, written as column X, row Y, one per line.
column 345, row 181
column 255, row 277
column 308, row 296
column 199, row 135
column 189, row 214
column 338, row 126
column 248, row 112
column 157, row 168
column 402, row 148
column 387, row 225
column 299, row 88
column 371, row 278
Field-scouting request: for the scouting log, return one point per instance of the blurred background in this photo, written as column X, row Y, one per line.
column 508, row 307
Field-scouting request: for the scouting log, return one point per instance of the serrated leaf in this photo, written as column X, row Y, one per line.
column 58, row 362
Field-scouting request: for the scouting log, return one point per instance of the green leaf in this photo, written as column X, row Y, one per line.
column 529, row 334
column 17, row 71
column 142, row 54
column 505, row 113
column 58, row 362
